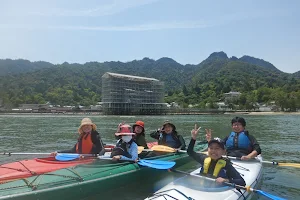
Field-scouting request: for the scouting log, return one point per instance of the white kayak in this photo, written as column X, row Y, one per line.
column 192, row 187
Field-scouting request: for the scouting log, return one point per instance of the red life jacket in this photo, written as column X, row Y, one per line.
column 85, row 144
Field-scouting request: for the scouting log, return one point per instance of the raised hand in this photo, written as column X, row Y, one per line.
column 195, row 132
column 208, row 134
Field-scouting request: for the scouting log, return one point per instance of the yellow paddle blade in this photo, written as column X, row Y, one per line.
column 297, row 165
column 163, row 148
column 140, row 149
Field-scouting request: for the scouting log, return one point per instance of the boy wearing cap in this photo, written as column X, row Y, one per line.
column 214, row 164
column 139, row 137
column 126, row 148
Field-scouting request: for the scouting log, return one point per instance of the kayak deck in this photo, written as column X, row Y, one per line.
column 191, row 187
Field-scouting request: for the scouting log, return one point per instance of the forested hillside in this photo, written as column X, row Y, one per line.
column 73, row 84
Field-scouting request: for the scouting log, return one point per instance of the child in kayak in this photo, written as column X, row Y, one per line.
column 239, row 143
column 126, row 148
column 214, row 164
column 89, row 141
column 168, row 136
column 139, row 137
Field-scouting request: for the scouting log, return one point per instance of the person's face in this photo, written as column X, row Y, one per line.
column 215, row 151
column 87, row 128
column 168, row 128
column 237, row 127
column 138, row 129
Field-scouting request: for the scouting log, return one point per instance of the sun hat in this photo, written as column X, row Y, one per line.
column 139, row 123
column 86, row 121
column 125, row 129
column 169, row 123
column 217, row 140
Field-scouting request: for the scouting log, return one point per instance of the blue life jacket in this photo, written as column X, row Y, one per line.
column 238, row 141
column 170, row 140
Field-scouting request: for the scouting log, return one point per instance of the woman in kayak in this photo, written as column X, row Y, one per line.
column 214, row 164
column 89, row 141
column 126, row 148
column 168, row 136
column 239, row 143
column 139, row 137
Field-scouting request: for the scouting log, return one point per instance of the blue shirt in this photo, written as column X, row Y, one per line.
column 133, row 151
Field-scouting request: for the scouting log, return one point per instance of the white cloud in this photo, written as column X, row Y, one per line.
column 142, row 27
column 111, row 8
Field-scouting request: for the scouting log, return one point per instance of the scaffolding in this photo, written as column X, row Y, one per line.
column 132, row 95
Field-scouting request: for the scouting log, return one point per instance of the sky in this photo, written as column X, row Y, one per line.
column 79, row 31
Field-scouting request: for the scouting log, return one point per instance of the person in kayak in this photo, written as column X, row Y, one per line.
column 168, row 136
column 139, row 137
column 126, row 148
column 239, row 143
column 89, row 140
column 213, row 164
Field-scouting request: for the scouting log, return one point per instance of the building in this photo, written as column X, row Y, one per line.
column 232, row 96
column 127, row 95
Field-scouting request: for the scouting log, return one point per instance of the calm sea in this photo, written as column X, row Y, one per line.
column 278, row 136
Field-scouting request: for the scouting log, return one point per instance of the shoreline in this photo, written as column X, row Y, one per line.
column 200, row 113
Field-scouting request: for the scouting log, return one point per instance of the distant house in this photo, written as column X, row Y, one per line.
column 231, row 96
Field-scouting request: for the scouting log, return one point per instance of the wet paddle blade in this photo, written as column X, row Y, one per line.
column 271, row 196
column 157, row 164
column 297, row 165
column 66, row 157
column 163, row 148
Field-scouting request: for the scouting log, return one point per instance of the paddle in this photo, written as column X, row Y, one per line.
column 167, row 149
column 156, row 164
column 297, row 165
column 247, row 188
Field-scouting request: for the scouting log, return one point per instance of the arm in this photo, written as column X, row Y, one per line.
column 196, row 156
column 182, row 143
column 155, row 134
column 256, row 149
column 233, row 175
column 98, row 146
column 133, row 151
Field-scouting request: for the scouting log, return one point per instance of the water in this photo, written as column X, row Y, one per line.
column 278, row 136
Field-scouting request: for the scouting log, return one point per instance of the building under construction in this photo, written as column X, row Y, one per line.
column 132, row 95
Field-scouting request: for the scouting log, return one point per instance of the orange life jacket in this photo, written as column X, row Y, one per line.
column 86, row 144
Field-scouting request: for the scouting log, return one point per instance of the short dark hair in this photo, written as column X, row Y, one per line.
column 239, row 120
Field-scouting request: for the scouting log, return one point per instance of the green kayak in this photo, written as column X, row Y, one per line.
column 83, row 181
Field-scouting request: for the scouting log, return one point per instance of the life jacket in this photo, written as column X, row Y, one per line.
column 85, row 144
column 175, row 140
column 121, row 148
column 218, row 170
column 239, row 141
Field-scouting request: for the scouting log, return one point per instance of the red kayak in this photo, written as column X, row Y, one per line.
column 27, row 168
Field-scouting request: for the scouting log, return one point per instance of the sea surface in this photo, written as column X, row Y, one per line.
column 278, row 136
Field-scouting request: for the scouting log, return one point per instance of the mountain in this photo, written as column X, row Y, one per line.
column 258, row 62
column 9, row 67
column 73, row 84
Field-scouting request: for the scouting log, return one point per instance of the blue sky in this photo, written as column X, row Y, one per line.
column 124, row 30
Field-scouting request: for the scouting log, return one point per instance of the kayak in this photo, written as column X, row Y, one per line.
column 37, row 166
column 194, row 186
column 85, row 180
